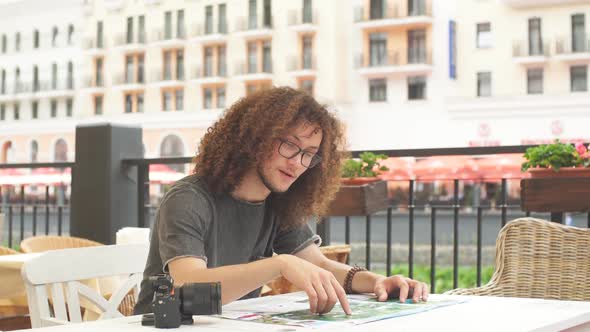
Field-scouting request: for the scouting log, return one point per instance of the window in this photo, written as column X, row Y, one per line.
column 417, row 46
column 221, row 97
column 208, row 61
column 267, row 14
column 36, row 39
column 307, row 52
column 17, row 84
column 53, row 108
column 54, row 34
column 579, row 33
column 99, row 41
column 535, row 81
column 98, row 72
column 266, row 57
column 34, row 151
column 17, row 42
column 579, row 78
column 377, row 49
column 416, row 88
column 61, row 150
column 70, row 34
column 484, row 84
column 3, row 82
column 2, row 112
column 54, row 76
column 98, row 105
column 209, row 19
column 180, row 29
column 35, row 110
column 129, row 36
column 70, row 82
column 141, row 29
column 416, row 7
column 168, row 25
column 377, row 10
column 307, row 86
column 16, row 111
column 222, row 19
column 484, row 35
column 134, row 102
column 252, row 57
column 307, row 16
column 452, row 50
column 377, row 90
column 167, row 101
column 252, row 15
column 221, row 61
column 174, row 64
column 4, row 44
column 535, row 39
column 180, row 65
column 134, row 68
column 207, row 98
column 69, row 107
column 36, row 85
column 179, row 100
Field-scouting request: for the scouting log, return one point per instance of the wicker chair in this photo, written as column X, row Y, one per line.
column 539, row 259
column 45, row 243
column 281, row 285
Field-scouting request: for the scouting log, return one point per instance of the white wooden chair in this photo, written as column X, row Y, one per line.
column 62, row 271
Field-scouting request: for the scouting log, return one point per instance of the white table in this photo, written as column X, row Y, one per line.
column 477, row 314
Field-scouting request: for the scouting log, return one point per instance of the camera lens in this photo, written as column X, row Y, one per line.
column 201, row 298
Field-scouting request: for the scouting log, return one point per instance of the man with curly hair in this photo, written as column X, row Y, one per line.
column 268, row 166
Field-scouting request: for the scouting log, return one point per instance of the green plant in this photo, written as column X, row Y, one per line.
column 556, row 156
column 367, row 166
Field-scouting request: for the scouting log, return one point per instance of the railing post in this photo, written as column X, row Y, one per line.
column 104, row 193
column 323, row 230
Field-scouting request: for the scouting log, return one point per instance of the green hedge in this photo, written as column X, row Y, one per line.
column 444, row 275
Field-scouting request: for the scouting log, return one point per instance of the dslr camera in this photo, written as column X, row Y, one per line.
column 175, row 306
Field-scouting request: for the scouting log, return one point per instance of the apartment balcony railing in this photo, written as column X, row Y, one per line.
column 91, row 82
column 123, row 80
column 303, row 65
column 298, row 20
column 568, row 51
column 166, row 78
column 208, row 73
column 171, row 38
column 200, row 34
column 391, row 12
column 253, row 29
column 522, row 49
column 91, row 43
column 124, row 40
column 245, row 69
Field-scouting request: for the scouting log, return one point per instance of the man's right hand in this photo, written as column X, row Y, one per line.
column 321, row 286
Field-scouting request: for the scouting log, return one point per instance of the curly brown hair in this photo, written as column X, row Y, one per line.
column 244, row 137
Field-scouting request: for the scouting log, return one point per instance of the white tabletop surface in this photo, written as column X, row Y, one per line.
column 478, row 313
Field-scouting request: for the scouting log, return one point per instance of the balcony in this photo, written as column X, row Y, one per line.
column 160, row 38
column 393, row 63
column 303, row 23
column 252, row 31
column 566, row 52
column 127, row 82
column 253, row 73
column 202, row 75
column 200, row 34
column 91, row 85
column 300, row 67
column 522, row 54
column 54, row 89
column 165, row 79
column 393, row 16
column 94, row 46
column 125, row 44
column 540, row 3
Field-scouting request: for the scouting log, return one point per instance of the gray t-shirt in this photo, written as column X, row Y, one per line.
column 221, row 230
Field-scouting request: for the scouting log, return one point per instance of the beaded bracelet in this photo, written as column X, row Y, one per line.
column 350, row 276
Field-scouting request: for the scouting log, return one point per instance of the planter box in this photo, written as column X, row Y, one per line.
column 360, row 200
column 555, row 194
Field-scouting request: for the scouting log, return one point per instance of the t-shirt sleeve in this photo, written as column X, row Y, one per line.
column 184, row 219
column 293, row 240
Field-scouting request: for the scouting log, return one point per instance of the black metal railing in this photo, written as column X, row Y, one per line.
column 35, row 210
column 431, row 209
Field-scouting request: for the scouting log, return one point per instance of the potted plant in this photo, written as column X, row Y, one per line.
column 362, row 192
column 363, row 170
column 557, row 160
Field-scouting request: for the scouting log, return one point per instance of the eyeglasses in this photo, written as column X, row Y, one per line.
column 291, row 150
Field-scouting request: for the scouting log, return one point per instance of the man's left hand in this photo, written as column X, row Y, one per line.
column 401, row 287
